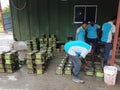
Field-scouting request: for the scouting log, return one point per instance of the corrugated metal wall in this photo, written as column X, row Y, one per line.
column 53, row 16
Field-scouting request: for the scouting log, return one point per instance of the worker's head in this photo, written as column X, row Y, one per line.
column 113, row 19
column 84, row 24
column 92, row 22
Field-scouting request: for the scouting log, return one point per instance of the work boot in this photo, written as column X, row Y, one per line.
column 105, row 63
column 77, row 80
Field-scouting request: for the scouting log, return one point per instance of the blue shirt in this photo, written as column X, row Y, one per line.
column 108, row 29
column 92, row 31
column 77, row 48
column 80, row 34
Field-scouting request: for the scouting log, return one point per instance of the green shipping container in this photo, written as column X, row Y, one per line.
column 54, row 17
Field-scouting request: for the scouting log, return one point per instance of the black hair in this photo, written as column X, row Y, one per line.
column 85, row 22
column 113, row 18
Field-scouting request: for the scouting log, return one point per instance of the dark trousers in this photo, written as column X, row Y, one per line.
column 76, row 63
column 94, row 42
column 107, row 48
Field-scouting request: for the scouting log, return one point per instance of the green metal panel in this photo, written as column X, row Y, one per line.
column 20, row 21
column 23, row 22
column 33, row 18
column 43, row 16
column 63, row 19
column 14, row 14
column 54, row 17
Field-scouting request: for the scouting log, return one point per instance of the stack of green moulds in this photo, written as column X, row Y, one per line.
column 60, row 68
column 50, row 41
column 62, row 48
column 29, row 46
column 53, row 42
column 43, row 44
column 2, row 62
column 90, row 72
column 46, row 40
column 30, row 61
column 68, row 68
column 98, row 71
column 35, row 43
column 50, row 48
column 58, row 49
column 98, row 67
column 41, row 40
column 54, row 46
column 49, row 53
column 11, row 61
column 40, row 62
column 16, row 60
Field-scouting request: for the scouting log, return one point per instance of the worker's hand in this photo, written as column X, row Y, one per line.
column 80, row 58
column 92, row 51
column 84, row 65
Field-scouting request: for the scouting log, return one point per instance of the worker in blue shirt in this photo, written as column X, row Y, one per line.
column 77, row 50
column 108, row 29
column 92, row 35
column 80, row 32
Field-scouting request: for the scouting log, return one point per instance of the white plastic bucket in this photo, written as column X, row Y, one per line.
column 110, row 73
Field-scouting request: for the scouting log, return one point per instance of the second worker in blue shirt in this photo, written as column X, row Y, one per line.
column 92, row 35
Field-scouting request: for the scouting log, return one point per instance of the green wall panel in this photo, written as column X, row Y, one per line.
column 23, row 22
column 63, row 19
column 43, row 17
column 33, row 19
column 54, row 17
column 14, row 14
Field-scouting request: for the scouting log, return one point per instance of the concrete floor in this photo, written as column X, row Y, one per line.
column 5, row 41
column 21, row 80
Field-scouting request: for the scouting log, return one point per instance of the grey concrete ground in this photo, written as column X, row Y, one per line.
column 21, row 80
column 5, row 41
